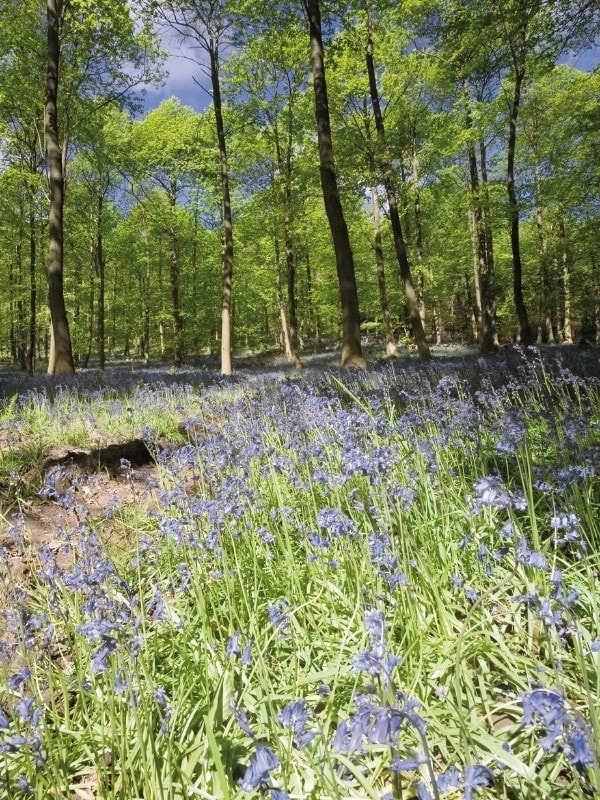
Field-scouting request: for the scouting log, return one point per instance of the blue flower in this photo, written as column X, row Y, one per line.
column 448, row 780
column 476, row 775
column 258, row 770
column 295, row 717
column 233, row 645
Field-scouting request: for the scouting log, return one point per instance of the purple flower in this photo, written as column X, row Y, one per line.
column 476, row 775
column 100, row 657
column 278, row 618
column 530, row 558
column 240, row 717
column 258, row 770
column 448, row 780
column 408, row 764
column 295, row 717
column 577, row 748
column 233, row 645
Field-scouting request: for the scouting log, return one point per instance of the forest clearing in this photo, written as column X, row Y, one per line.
column 320, row 584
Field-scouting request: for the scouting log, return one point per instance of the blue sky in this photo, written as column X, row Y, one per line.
column 182, row 71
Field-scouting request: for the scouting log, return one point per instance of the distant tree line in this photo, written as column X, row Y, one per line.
column 412, row 172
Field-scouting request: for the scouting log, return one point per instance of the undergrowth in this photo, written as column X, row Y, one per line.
column 369, row 586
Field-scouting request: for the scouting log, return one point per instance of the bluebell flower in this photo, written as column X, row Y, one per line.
column 279, row 794
column 258, row 770
column 448, row 780
column 233, row 644
column 246, row 659
column 423, row 792
column 240, row 717
column 28, row 711
column 16, row 680
column 100, row 657
column 295, row 717
column 408, row 764
column 530, row 558
column 278, row 618
column 547, row 707
column 476, row 776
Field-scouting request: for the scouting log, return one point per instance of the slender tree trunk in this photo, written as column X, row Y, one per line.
column 32, row 284
column 91, row 302
column 285, row 168
column 227, row 264
column 20, row 326
column 313, row 314
column 391, row 345
column 174, row 281
column 389, row 183
column 351, row 346
column 283, row 323
column 525, row 331
column 483, row 271
column 489, row 236
column 566, row 280
column 545, row 299
column 414, row 163
column 63, row 354
column 101, row 270
column 474, row 301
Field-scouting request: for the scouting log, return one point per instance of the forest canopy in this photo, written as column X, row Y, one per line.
column 456, row 144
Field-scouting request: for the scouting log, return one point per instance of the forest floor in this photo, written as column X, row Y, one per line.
column 99, row 489
column 132, row 471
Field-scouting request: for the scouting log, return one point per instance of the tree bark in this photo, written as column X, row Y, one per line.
column 566, row 280
column 227, row 264
column 545, row 298
column 32, row 284
column 489, row 237
column 391, row 345
column 351, row 345
column 389, row 183
column 483, row 270
column 525, row 331
column 63, row 354
column 174, row 281
column 101, row 269
column 285, row 168
column 283, row 323
column 414, row 164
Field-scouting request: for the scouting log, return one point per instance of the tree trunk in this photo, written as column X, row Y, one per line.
column 525, row 331
column 414, row 163
column 474, row 302
column 285, row 168
column 283, row 323
column 174, row 281
column 391, row 345
column 489, row 236
column 545, row 299
column 566, row 279
column 63, row 354
column 351, row 346
column 32, row 284
column 389, row 183
column 101, row 270
column 483, row 271
column 227, row 264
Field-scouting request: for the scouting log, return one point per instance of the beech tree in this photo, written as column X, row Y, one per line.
column 351, row 344
column 207, row 26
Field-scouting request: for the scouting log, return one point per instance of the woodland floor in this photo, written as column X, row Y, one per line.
column 101, row 488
